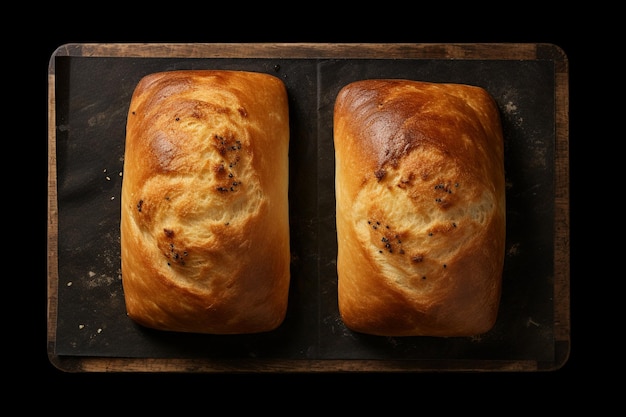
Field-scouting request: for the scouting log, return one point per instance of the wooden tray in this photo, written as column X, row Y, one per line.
column 88, row 95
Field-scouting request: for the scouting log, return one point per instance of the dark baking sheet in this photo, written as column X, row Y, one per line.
column 92, row 99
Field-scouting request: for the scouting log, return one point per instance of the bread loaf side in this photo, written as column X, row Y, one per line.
column 420, row 203
column 204, row 215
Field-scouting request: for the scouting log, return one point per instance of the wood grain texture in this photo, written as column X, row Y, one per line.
column 498, row 51
column 305, row 50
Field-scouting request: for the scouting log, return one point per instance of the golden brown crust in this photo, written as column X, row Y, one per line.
column 420, row 204
column 204, row 221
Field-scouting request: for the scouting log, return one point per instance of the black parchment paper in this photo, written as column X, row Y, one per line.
column 92, row 99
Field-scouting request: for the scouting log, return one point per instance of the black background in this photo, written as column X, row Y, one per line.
column 27, row 355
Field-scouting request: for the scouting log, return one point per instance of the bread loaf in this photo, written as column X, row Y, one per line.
column 420, row 203
column 204, row 215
